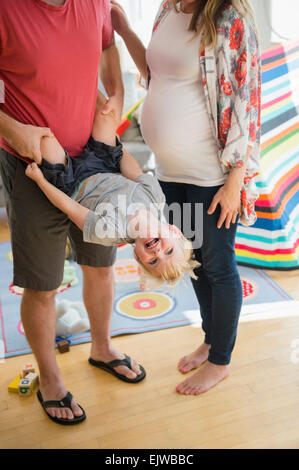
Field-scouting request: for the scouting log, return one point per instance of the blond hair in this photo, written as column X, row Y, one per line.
column 173, row 272
column 210, row 12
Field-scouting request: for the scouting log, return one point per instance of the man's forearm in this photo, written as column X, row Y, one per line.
column 62, row 201
column 8, row 125
column 110, row 74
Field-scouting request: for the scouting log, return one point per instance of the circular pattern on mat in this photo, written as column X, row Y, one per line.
column 20, row 328
column 126, row 270
column 250, row 288
column 145, row 305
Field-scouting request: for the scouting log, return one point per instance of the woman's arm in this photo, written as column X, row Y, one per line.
column 69, row 206
column 229, row 196
column 134, row 45
column 239, row 127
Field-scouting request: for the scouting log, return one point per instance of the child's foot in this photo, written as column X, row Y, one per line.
column 202, row 380
column 195, row 359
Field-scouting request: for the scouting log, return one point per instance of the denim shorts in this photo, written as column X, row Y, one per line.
column 97, row 157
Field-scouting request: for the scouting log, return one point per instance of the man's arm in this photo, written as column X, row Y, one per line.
column 69, row 206
column 23, row 138
column 110, row 74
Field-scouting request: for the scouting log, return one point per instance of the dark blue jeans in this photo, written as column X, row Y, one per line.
column 218, row 287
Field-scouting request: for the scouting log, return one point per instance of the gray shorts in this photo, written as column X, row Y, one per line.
column 39, row 231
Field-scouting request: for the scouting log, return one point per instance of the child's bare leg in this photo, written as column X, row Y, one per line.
column 52, row 151
column 104, row 125
column 104, row 130
column 129, row 167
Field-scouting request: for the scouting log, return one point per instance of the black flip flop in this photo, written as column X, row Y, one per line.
column 109, row 367
column 63, row 403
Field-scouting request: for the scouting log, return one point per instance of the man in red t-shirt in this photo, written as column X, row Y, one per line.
column 49, row 59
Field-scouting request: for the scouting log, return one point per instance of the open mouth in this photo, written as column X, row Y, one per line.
column 151, row 243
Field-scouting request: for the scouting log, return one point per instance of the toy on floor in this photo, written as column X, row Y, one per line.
column 27, row 368
column 26, row 385
column 25, row 382
column 63, row 346
column 71, row 318
column 14, row 385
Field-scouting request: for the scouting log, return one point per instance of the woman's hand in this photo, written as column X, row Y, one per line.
column 229, row 198
column 119, row 18
column 34, row 172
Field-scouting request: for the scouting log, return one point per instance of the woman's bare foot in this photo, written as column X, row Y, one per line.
column 195, row 359
column 202, row 380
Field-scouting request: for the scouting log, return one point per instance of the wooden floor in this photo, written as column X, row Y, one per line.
column 256, row 407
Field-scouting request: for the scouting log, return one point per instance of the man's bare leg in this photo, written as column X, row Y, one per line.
column 39, row 321
column 98, row 294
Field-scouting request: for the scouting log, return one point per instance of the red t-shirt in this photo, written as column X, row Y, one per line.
column 49, row 57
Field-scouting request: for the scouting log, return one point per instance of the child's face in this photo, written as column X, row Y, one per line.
column 155, row 253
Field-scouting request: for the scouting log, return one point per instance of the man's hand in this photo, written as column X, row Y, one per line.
column 26, row 140
column 34, row 172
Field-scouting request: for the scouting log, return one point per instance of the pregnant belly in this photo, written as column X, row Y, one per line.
column 172, row 122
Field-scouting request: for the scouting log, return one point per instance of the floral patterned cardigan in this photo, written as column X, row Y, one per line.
column 231, row 76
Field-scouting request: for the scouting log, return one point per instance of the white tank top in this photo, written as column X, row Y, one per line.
column 174, row 121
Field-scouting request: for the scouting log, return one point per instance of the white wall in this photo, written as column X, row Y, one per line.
column 141, row 14
column 262, row 10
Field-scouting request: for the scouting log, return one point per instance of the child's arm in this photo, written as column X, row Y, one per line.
column 71, row 208
column 129, row 167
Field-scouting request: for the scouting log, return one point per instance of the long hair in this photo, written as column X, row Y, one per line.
column 209, row 12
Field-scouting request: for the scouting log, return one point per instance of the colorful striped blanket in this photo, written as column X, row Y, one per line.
column 273, row 241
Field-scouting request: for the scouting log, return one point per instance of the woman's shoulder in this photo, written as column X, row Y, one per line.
column 237, row 27
column 165, row 5
column 232, row 17
column 163, row 10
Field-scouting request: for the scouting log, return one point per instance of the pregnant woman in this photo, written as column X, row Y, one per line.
column 201, row 118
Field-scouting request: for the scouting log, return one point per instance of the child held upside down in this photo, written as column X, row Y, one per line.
column 106, row 194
